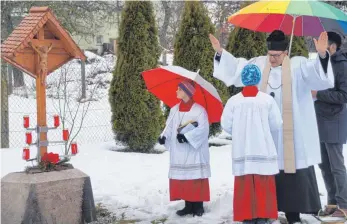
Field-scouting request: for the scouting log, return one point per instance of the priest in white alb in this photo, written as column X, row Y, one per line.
column 290, row 82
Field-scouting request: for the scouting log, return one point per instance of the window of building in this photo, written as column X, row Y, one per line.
column 99, row 39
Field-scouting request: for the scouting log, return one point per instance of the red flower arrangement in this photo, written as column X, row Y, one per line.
column 50, row 158
column 49, row 161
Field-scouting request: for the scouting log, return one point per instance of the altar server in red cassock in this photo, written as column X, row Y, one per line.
column 249, row 117
column 189, row 151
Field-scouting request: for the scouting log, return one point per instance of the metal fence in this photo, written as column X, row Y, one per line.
column 96, row 126
column 88, row 121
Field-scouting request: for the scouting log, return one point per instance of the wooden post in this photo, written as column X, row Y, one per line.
column 41, row 102
column 41, row 113
column 4, row 124
column 115, row 47
column 10, row 78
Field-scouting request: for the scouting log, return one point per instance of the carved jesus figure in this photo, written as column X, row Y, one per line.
column 43, row 54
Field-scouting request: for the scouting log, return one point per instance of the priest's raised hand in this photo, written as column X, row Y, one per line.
column 322, row 44
column 181, row 138
column 215, row 44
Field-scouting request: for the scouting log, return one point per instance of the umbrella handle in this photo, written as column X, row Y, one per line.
column 291, row 37
column 162, row 134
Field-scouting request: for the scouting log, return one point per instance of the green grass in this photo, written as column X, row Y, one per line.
column 159, row 221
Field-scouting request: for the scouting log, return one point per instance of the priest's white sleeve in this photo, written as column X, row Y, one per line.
column 275, row 117
column 228, row 69
column 314, row 75
column 199, row 135
column 227, row 117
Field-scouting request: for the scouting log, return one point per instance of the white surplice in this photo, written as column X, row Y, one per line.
column 250, row 121
column 306, row 75
column 188, row 161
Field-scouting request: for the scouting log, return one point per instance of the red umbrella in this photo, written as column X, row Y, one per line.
column 163, row 83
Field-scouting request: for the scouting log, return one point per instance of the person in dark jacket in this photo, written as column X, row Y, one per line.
column 331, row 112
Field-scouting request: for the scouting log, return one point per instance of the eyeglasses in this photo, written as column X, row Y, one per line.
column 276, row 56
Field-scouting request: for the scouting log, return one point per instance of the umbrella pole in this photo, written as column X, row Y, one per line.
column 162, row 134
column 291, row 37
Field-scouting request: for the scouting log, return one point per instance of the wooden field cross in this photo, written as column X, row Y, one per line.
column 38, row 46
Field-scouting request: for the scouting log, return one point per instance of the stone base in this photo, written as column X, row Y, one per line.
column 57, row 197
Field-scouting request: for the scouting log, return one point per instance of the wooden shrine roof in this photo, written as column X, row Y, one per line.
column 27, row 31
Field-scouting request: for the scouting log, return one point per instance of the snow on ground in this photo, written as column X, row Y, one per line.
column 136, row 184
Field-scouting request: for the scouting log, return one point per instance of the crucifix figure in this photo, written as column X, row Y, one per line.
column 43, row 54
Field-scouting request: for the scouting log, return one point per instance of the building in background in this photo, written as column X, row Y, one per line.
column 102, row 43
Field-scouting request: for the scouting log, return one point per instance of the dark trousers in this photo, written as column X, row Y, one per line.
column 293, row 217
column 334, row 173
column 297, row 193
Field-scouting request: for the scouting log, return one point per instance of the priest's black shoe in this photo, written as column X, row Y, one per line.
column 187, row 210
column 198, row 208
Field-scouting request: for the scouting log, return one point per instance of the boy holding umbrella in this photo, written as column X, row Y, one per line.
column 189, row 151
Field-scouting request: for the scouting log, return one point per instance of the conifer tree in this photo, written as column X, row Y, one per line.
column 193, row 50
column 136, row 115
column 299, row 47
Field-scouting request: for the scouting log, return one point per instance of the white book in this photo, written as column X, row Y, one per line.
column 187, row 128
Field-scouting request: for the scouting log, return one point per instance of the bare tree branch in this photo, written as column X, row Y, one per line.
column 72, row 109
column 83, row 18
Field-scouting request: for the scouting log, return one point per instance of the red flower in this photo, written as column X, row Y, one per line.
column 51, row 157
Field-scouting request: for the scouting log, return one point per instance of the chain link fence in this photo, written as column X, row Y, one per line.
column 90, row 126
column 87, row 117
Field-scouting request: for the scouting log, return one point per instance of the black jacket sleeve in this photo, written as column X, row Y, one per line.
column 325, row 62
column 338, row 94
column 218, row 56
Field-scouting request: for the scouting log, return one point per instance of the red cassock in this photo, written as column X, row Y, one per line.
column 190, row 190
column 255, row 197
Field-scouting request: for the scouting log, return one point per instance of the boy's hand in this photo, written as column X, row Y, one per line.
column 161, row 140
column 181, row 138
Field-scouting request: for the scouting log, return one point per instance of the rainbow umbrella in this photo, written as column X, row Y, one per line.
column 293, row 17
